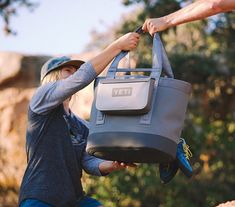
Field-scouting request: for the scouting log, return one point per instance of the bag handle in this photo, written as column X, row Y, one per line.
column 159, row 57
column 159, row 60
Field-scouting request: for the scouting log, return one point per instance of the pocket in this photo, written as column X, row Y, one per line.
column 125, row 96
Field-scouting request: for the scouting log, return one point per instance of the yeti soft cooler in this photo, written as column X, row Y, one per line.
column 138, row 118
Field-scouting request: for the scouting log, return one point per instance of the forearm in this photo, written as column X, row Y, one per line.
column 101, row 61
column 199, row 10
column 91, row 164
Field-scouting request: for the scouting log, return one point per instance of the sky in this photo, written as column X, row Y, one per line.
column 61, row 26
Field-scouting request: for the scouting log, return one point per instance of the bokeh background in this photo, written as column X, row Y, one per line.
column 202, row 53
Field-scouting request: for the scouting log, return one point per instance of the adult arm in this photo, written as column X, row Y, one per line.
column 50, row 95
column 99, row 167
column 96, row 166
column 195, row 11
column 91, row 164
column 126, row 42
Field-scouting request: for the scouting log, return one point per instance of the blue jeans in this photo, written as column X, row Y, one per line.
column 84, row 202
column 33, row 202
column 88, row 202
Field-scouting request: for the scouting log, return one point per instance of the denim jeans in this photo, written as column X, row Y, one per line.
column 33, row 202
column 88, row 202
column 84, row 202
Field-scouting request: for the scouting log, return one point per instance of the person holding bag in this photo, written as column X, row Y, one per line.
column 56, row 137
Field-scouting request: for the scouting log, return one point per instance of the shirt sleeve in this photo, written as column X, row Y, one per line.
column 52, row 94
column 91, row 164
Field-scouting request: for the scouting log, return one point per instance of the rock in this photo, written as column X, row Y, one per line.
column 10, row 66
column 18, row 70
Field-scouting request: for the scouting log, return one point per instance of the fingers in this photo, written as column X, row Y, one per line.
column 122, row 165
column 144, row 27
column 134, row 37
column 150, row 26
column 133, row 40
column 129, row 41
column 134, row 34
column 117, row 165
column 133, row 45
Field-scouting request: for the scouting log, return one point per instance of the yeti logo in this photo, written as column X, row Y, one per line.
column 121, row 92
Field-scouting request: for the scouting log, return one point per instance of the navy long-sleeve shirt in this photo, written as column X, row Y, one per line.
column 55, row 144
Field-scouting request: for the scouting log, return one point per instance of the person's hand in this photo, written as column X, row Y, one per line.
column 110, row 166
column 155, row 25
column 128, row 41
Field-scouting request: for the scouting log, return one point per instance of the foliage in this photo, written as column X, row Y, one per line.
column 201, row 53
column 9, row 8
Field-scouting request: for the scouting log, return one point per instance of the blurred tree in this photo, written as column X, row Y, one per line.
column 9, row 8
column 201, row 53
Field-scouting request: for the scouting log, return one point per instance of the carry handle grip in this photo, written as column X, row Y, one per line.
column 139, row 30
column 123, row 53
column 159, row 59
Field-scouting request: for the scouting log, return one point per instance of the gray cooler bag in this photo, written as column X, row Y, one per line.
column 138, row 118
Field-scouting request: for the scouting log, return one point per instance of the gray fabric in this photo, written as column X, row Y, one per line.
column 50, row 95
column 165, row 118
column 124, row 96
column 159, row 61
column 55, row 144
column 90, row 164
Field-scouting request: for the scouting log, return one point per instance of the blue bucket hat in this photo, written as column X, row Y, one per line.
column 56, row 63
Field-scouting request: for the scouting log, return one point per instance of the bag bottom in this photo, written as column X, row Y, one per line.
column 131, row 147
